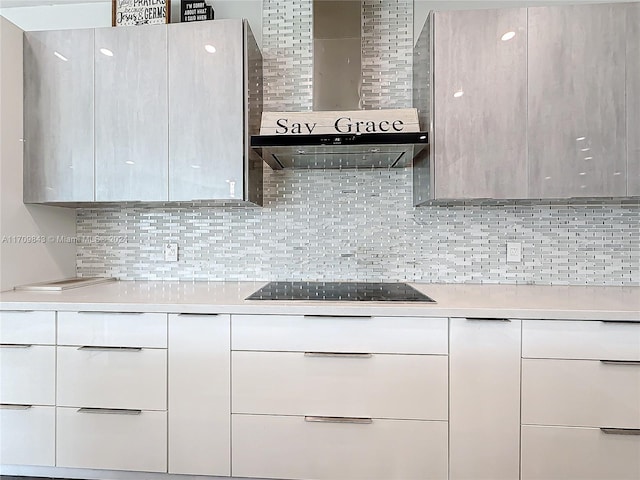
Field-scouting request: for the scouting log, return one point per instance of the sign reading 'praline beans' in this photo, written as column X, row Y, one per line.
column 356, row 121
column 140, row 12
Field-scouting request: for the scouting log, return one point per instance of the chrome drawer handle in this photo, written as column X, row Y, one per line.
column 16, row 311
column 620, row 431
column 338, row 355
column 110, row 349
column 14, row 406
column 620, row 362
column 94, row 312
column 15, row 345
column 198, row 314
column 358, row 420
column 357, row 317
column 620, row 321
column 110, row 411
column 486, row 319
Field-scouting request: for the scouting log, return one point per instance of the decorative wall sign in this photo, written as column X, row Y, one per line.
column 195, row 11
column 356, row 121
column 140, row 12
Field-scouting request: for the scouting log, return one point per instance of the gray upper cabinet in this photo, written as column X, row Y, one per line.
column 58, row 116
column 576, row 101
column 206, row 100
column 480, row 104
column 131, row 113
column 633, row 99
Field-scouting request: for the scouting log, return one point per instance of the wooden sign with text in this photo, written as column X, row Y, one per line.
column 356, row 121
column 140, row 12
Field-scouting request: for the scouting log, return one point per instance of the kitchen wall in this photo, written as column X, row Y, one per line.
column 359, row 224
column 33, row 239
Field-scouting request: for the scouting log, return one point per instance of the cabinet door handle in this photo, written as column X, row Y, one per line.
column 110, row 349
column 357, row 317
column 486, row 319
column 14, row 406
column 620, row 431
column 358, row 420
column 620, row 321
column 338, row 355
column 15, row 345
column 16, row 311
column 198, row 314
column 110, row 411
column 620, row 362
column 85, row 312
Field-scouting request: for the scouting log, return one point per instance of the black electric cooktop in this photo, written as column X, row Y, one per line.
column 340, row 291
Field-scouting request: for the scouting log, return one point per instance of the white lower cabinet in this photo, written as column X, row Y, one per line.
column 582, row 393
column 199, row 403
column 574, row 453
column 27, row 435
column 28, row 374
column 484, row 399
column 111, row 439
column 112, row 377
column 371, row 385
column 293, row 447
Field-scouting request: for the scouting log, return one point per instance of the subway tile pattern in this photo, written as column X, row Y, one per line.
column 387, row 53
column 287, row 51
column 360, row 225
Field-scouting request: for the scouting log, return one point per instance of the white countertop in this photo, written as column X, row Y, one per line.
column 452, row 300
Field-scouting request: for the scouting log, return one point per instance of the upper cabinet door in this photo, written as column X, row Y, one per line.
column 58, row 116
column 480, row 104
column 206, row 104
column 633, row 98
column 131, row 113
column 577, row 115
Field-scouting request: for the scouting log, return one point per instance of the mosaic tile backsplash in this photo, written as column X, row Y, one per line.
column 359, row 225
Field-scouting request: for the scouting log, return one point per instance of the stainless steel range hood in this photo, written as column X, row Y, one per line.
column 367, row 150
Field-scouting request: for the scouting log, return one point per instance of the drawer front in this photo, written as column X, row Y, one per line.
column 112, row 378
column 27, row 435
column 112, row 441
column 561, row 453
column 28, row 375
column 379, row 386
column 581, row 340
column 113, row 329
column 25, row 327
column 290, row 447
column 301, row 333
column 582, row 393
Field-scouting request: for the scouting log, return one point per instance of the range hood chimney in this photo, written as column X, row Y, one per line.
column 338, row 133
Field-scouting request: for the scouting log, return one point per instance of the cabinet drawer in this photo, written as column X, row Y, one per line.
column 581, row 340
column 28, row 374
column 290, row 447
column 583, row 393
column 112, row 378
column 112, row 329
column 135, row 441
column 563, row 453
column 27, row 435
column 360, row 385
column 304, row 333
column 35, row 328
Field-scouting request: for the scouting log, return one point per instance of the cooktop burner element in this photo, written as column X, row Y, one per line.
column 340, row 291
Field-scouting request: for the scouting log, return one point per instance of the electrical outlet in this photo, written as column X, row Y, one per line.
column 514, row 252
column 171, row 252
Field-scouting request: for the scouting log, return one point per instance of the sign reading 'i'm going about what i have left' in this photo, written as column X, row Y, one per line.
column 140, row 12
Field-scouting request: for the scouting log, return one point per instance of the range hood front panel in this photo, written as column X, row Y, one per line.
column 340, row 151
